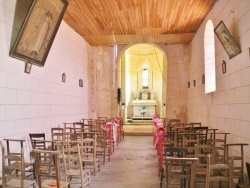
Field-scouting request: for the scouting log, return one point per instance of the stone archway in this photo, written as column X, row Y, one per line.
column 132, row 59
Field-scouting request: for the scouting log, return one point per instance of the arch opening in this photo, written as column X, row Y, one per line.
column 140, row 72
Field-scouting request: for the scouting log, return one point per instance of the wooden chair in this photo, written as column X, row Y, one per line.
column 214, row 173
column 110, row 140
column 9, row 176
column 120, row 132
column 245, row 185
column 219, row 141
column 89, row 159
column 189, row 141
column 71, row 151
column 238, row 170
column 47, row 169
column 180, row 168
column 29, row 166
column 94, row 125
column 102, row 151
column 171, row 152
column 201, row 152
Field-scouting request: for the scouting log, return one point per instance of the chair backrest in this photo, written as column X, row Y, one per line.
column 67, row 125
column 47, row 165
column 175, row 152
column 189, row 141
column 177, row 168
column 89, row 152
column 94, row 125
column 85, row 120
column 56, row 133
column 89, row 145
column 9, row 176
column 225, row 175
column 99, row 123
column 35, row 140
column 7, row 169
column 71, row 153
column 80, row 127
column 201, row 152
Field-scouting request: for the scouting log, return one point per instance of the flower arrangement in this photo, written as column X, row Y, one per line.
column 143, row 110
column 161, row 131
column 117, row 119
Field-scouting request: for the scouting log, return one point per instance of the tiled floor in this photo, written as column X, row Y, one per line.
column 133, row 165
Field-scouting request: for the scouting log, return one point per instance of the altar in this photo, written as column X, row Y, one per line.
column 143, row 109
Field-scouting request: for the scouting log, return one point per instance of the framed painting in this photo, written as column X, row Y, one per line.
column 227, row 40
column 38, row 31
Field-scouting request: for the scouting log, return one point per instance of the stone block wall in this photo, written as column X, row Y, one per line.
column 228, row 107
column 37, row 101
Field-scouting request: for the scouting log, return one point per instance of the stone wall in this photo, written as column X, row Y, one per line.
column 103, row 82
column 177, row 76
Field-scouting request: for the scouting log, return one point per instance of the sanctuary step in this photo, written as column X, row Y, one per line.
column 138, row 129
column 140, row 121
column 141, row 118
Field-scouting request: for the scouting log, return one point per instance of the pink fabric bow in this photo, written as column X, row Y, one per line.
column 154, row 116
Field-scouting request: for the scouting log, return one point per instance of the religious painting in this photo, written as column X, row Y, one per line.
column 227, row 40
column 39, row 30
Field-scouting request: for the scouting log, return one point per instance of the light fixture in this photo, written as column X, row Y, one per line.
column 188, row 84
column 28, row 66
column 194, row 83
column 80, row 83
column 203, row 79
column 64, row 77
column 123, row 105
column 224, row 67
column 164, row 106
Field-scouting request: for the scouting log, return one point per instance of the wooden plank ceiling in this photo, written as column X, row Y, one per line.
column 109, row 22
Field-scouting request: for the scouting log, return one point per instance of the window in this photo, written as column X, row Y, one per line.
column 145, row 79
column 209, row 58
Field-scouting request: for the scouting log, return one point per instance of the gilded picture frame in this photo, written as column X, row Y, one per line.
column 227, row 40
column 38, row 31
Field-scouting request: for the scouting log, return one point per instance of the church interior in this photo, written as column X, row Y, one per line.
column 152, row 69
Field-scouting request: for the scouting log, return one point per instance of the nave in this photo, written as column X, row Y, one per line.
column 133, row 165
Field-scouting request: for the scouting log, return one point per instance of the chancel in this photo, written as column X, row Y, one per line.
column 143, row 106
